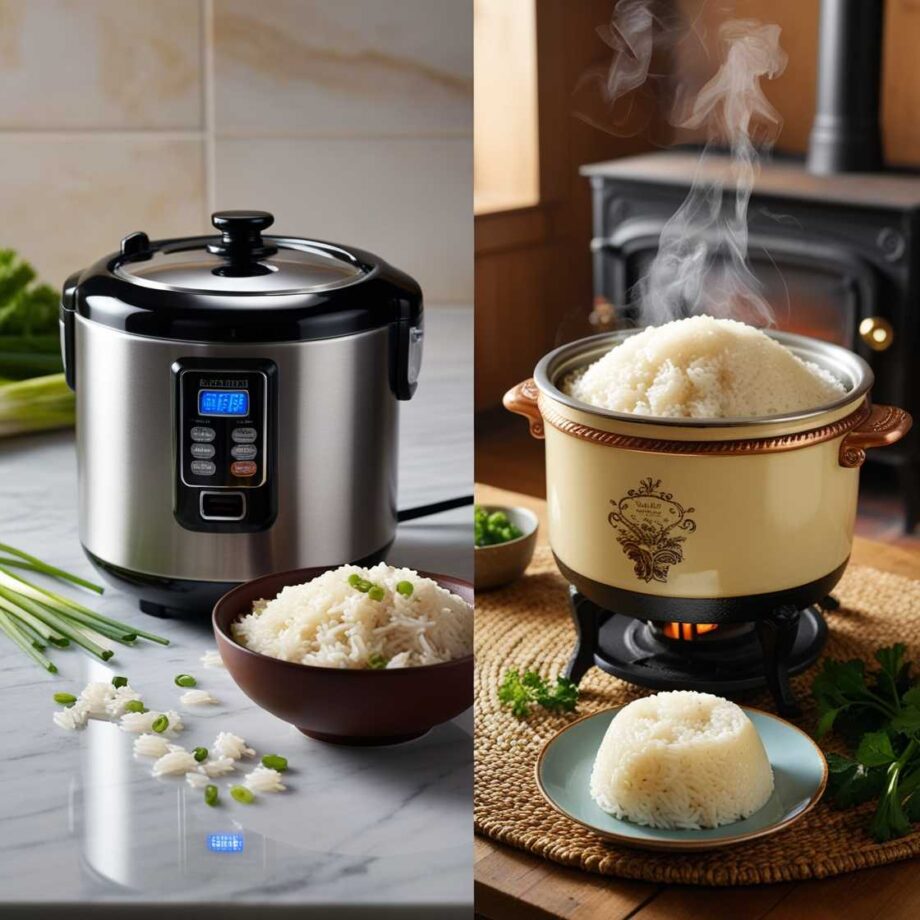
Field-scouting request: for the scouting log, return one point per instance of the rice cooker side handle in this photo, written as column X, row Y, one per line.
column 67, row 323
column 882, row 426
column 522, row 399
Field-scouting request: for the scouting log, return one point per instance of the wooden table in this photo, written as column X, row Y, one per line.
column 513, row 885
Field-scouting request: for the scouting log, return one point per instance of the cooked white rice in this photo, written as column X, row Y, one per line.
column 702, row 367
column 115, row 705
column 197, row 698
column 328, row 622
column 151, row 745
column 211, row 659
column 681, row 759
column 218, row 766
column 197, row 780
column 73, row 717
column 141, row 722
column 96, row 696
column 264, row 779
column 231, row 746
column 175, row 762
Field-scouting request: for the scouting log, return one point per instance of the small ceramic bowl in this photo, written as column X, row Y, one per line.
column 343, row 706
column 504, row 562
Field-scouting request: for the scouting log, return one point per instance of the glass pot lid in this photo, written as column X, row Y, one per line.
column 239, row 261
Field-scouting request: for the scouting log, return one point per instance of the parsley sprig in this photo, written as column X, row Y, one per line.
column 878, row 714
column 520, row 693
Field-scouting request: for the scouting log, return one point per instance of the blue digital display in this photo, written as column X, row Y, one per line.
column 223, row 402
column 225, row 843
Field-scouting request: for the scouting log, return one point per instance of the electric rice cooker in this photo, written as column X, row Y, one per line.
column 237, row 407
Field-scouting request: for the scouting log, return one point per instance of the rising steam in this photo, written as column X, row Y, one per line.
column 701, row 264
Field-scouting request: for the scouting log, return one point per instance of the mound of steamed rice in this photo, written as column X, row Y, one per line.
column 329, row 623
column 681, row 760
column 702, row 367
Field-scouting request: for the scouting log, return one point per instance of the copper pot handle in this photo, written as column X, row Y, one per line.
column 522, row 399
column 883, row 425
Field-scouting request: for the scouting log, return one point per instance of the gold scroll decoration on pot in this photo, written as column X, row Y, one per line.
column 648, row 522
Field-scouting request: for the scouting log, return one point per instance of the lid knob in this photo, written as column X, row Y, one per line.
column 241, row 236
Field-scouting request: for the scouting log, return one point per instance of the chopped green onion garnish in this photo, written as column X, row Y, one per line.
column 242, row 794
column 405, row 588
column 377, row 661
column 160, row 724
column 200, row 754
column 210, row 795
column 119, row 682
column 275, row 762
column 65, row 699
column 186, row 680
column 376, row 593
column 135, row 706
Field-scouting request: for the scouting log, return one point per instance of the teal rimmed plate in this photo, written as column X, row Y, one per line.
column 564, row 766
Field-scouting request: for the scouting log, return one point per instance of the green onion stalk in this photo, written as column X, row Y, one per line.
column 35, row 617
column 35, row 404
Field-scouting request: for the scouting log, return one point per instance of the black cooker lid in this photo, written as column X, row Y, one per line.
column 242, row 287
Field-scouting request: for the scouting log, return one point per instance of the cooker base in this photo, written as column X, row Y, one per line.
column 732, row 659
column 743, row 609
column 180, row 598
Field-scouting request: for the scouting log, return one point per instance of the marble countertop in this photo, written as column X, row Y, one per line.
column 380, row 832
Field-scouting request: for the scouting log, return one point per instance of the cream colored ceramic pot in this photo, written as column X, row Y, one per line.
column 703, row 520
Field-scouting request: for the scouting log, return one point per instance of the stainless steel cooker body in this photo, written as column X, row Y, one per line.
column 237, row 407
column 333, row 450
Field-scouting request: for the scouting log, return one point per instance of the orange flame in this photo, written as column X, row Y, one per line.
column 688, row 630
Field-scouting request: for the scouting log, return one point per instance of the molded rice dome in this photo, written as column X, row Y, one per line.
column 702, row 367
column 681, row 759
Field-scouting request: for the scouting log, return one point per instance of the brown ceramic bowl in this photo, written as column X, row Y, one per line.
column 360, row 707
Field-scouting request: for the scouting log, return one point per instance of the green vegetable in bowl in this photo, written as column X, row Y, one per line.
column 493, row 527
column 519, row 693
column 878, row 714
column 376, row 661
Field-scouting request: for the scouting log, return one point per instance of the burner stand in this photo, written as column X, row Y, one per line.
column 744, row 657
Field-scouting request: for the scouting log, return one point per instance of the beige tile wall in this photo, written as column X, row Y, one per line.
column 351, row 120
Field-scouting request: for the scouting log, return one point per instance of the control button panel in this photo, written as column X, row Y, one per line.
column 201, row 451
column 225, row 423
column 202, row 468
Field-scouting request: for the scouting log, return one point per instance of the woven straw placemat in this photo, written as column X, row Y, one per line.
column 527, row 625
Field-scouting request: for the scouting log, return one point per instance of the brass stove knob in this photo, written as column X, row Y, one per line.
column 876, row 332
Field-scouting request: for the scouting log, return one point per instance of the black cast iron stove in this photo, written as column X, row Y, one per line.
column 727, row 659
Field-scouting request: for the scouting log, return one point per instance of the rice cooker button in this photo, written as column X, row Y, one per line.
column 202, row 451
column 203, row 468
column 244, row 452
column 243, row 468
column 243, row 435
column 200, row 433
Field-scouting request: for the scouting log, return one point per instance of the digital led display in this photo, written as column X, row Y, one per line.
column 223, row 402
column 225, row 843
